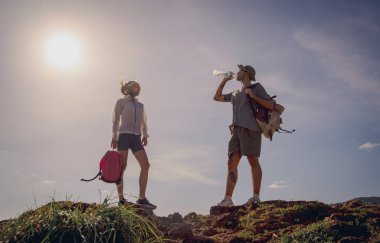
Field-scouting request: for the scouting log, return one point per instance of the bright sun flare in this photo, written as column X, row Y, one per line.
column 63, row 50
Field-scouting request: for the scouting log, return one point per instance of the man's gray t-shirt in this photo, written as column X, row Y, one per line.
column 242, row 111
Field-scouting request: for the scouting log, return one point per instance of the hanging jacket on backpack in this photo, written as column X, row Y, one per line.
column 269, row 121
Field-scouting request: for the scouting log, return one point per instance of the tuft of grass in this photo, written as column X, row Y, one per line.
column 246, row 234
column 67, row 221
column 316, row 232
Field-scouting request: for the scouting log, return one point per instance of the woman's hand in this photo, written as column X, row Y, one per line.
column 114, row 144
column 144, row 141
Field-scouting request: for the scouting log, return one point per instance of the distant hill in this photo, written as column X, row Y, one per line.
column 369, row 200
column 269, row 221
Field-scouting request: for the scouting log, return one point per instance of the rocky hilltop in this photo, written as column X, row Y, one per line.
column 269, row 221
column 368, row 200
column 279, row 221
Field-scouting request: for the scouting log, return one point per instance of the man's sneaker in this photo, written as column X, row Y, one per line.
column 122, row 201
column 254, row 200
column 145, row 202
column 226, row 203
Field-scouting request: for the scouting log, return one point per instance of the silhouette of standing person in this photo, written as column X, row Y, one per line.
column 129, row 132
column 246, row 134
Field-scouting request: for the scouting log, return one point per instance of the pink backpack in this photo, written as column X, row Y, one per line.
column 110, row 168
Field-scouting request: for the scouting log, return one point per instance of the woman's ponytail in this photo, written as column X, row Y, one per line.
column 126, row 87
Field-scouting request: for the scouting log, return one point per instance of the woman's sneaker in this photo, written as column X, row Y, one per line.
column 145, row 202
column 122, row 201
column 226, row 203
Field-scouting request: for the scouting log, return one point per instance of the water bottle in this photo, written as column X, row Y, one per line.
column 223, row 74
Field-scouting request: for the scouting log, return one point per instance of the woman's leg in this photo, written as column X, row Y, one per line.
column 120, row 186
column 142, row 158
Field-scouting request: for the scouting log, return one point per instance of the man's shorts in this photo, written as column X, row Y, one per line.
column 130, row 141
column 246, row 141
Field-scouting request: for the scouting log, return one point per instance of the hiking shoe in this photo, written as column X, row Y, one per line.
column 225, row 203
column 122, row 201
column 254, row 200
column 145, row 203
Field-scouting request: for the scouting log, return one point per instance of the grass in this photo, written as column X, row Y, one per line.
column 316, row 232
column 80, row 222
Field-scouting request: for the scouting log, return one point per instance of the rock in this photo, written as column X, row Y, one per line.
column 353, row 204
column 352, row 239
column 176, row 218
column 226, row 220
column 217, row 210
column 198, row 239
column 191, row 216
column 210, row 231
column 341, row 217
column 181, row 231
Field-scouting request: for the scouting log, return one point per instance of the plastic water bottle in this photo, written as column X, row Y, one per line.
column 223, row 74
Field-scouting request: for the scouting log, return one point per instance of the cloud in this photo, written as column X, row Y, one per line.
column 48, row 182
column 185, row 164
column 369, row 146
column 341, row 59
column 278, row 185
column 105, row 191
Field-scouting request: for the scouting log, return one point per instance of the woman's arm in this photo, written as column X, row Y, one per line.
column 116, row 119
column 145, row 130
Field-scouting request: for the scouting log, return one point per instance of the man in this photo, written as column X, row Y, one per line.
column 129, row 132
column 246, row 134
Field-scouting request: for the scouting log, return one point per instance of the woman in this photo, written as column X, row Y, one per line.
column 129, row 131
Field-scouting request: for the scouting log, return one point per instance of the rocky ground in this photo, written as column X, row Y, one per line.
column 269, row 221
column 278, row 221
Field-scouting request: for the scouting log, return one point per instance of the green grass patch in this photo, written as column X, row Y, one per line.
column 317, row 232
column 79, row 222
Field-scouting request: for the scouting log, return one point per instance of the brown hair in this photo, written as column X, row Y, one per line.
column 126, row 87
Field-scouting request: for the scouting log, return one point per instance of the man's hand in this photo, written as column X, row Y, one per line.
column 144, row 141
column 267, row 104
column 114, row 144
column 250, row 93
column 228, row 78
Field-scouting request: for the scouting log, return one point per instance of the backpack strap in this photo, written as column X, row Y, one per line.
column 281, row 130
column 256, row 106
column 100, row 172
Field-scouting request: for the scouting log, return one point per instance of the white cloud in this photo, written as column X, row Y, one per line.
column 278, row 185
column 278, row 82
column 48, row 182
column 369, row 146
column 105, row 191
column 185, row 164
column 341, row 59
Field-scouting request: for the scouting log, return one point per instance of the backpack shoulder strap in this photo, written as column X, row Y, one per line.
column 256, row 107
column 253, row 103
column 100, row 172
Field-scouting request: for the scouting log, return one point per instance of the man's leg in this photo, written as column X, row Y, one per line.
column 142, row 158
column 120, row 186
column 232, row 176
column 256, row 173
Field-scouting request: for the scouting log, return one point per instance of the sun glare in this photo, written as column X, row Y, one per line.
column 63, row 50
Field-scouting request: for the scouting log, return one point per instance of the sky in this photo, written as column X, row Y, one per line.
column 321, row 59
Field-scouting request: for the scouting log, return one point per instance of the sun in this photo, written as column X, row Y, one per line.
column 63, row 50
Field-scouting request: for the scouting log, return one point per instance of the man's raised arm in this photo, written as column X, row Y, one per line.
column 218, row 95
